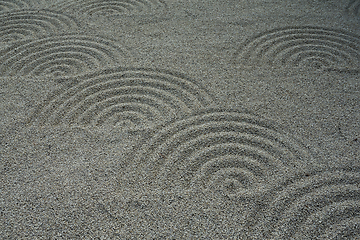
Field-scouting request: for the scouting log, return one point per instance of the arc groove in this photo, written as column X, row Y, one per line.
column 29, row 56
column 94, row 98
column 200, row 150
column 353, row 8
column 118, row 7
column 322, row 205
column 290, row 47
column 8, row 5
column 24, row 24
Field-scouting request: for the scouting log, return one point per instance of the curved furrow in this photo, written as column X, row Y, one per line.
column 301, row 47
column 8, row 5
column 234, row 152
column 117, row 93
column 353, row 8
column 39, row 57
column 322, row 206
column 113, row 7
column 24, row 24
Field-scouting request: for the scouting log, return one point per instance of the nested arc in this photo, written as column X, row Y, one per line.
column 62, row 55
column 122, row 7
column 353, row 8
column 190, row 152
column 144, row 97
column 9, row 5
column 324, row 205
column 296, row 46
column 23, row 24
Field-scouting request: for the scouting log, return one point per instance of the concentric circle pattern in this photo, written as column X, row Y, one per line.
column 236, row 153
column 117, row 7
column 134, row 98
column 60, row 55
column 321, row 206
column 302, row 47
column 24, row 24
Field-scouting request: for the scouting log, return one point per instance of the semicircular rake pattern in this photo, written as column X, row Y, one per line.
column 321, row 206
column 23, row 24
column 135, row 99
column 60, row 55
column 235, row 153
column 105, row 7
column 6, row 5
column 302, row 47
